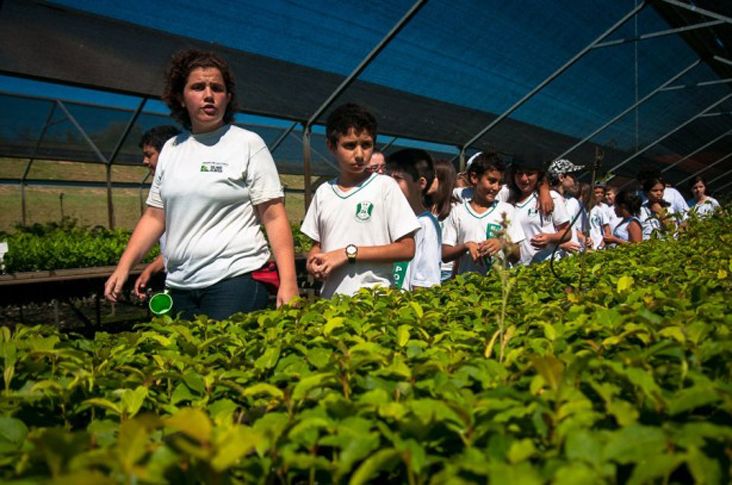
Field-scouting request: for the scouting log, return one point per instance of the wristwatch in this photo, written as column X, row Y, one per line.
column 351, row 253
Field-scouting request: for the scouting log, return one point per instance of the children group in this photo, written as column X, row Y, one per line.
column 216, row 204
column 413, row 227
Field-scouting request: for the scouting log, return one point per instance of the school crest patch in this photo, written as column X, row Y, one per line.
column 364, row 210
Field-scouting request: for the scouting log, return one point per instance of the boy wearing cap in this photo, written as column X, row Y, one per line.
column 360, row 222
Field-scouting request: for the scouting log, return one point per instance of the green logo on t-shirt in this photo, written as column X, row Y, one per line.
column 399, row 270
column 491, row 230
column 364, row 210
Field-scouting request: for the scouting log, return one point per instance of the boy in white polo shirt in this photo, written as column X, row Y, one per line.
column 360, row 222
column 472, row 230
column 414, row 172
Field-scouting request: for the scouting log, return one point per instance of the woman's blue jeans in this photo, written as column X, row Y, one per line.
column 222, row 299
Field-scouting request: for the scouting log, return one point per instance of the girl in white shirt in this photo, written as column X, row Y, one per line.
column 629, row 229
column 702, row 204
column 542, row 233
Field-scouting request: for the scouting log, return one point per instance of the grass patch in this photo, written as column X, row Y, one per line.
column 89, row 206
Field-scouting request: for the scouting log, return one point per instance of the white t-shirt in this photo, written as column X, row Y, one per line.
column 612, row 218
column 423, row 270
column 533, row 223
column 649, row 221
column 465, row 225
column 621, row 229
column 598, row 221
column 706, row 208
column 208, row 185
column 573, row 208
column 446, row 268
column 677, row 204
column 374, row 213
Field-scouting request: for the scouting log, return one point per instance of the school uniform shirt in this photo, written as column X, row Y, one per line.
column 574, row 209
column 612, row 218
column 706, row 208
column 677, row 204
column 598, row 221
column 374, row 213
column 446, row 269
column 533, row 223
column 651, row 222
column 621, row 230
column 465, row 225
column 677, row 201
column 209, row 184
column 423, row 270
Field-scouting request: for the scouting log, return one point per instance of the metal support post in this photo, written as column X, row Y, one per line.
column 699, row 10
column 367, row 60
column 697, row 85
column 306, row 154
column 282, row 137
column 723, row 186
column 698, row 150
column 142, row 187
column 556, row 74
column 386, row 146
column 34, row 154
column 719, row 177
column 115, row 152
column 699, row 172
column 127, row 130
column 629, row 109
column 661, row 33
column 723, row 60
column 659, row 140
column 717, row 113
column 89, row 141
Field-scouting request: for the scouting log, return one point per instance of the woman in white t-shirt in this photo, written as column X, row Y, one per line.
column 542, row 232
column 214, row 185
column 702, row 204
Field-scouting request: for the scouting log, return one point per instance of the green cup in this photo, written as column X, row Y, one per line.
column 160, row 303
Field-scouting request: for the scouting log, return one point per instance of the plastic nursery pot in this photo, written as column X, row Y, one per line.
column 160, row 303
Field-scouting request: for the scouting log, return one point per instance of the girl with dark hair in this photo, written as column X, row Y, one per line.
column 214, row 185
column 629, row 229
column 442, row 191
column 543, row 232
column 702, row 204
column 655, row 213
column 443, row 200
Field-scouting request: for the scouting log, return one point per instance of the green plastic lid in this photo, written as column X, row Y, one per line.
column 161, row 303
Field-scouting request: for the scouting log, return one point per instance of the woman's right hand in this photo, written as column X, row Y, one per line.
column 115, row 283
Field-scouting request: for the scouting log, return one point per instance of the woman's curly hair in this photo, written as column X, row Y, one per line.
column 176, row 76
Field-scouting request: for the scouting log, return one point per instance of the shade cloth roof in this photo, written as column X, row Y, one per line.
column 451, row 71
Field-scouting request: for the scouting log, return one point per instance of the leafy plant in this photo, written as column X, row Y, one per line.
column 626, row 381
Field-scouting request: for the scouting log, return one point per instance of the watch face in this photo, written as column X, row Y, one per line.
column 351, row 250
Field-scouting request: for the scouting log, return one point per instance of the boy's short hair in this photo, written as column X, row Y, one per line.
column 415, row 162
column 485, row 162
column 156, row 137
column 347, row 116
